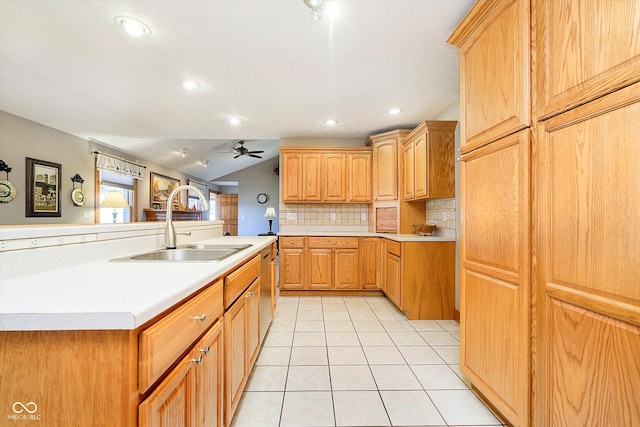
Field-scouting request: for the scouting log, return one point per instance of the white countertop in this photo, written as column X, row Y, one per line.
column 390, row 236
column 110, row 295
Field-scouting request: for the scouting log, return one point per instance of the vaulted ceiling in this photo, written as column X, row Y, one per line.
column 67, row 64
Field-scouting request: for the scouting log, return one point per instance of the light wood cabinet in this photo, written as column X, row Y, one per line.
column 359, row 189
column 393, row 279
column 191, row 395
column 326, row 174
column 333, row 262
column 334, row 177
column 291, row 167
column 385, row 164
column 588, row 268
column 371, row 262
column 584, row 50
column 494, row 71
column 428, row 161
column 292, row 260
column 242, row 340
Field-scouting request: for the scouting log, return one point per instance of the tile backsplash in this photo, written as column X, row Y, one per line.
column 327, row 214
column 442, row 212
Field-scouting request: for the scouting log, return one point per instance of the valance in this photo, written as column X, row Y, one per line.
column 119, row 166
column 200, row 186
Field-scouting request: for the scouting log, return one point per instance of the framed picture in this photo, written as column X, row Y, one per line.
column 43, row 188
column 161, row 186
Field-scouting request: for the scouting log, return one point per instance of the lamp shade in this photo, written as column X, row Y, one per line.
column 114, row 199
column 270, row 213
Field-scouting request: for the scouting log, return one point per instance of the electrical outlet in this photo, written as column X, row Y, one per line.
column 292, row 216
column 85, row 215
column 333, row 216
column 444, row 216
column 363, row 216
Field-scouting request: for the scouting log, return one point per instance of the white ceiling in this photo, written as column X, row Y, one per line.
column 66, row 64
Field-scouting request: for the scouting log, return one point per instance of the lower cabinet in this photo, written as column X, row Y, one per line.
column 392, row 276
column 292, row 263
column 370, row 262
column 242, row 343
column 191, row 394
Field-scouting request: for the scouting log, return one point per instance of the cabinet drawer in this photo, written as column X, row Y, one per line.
column 163, row 342
column 393, row 247
column 236, row 282
column 292, row 242
column 333, row 242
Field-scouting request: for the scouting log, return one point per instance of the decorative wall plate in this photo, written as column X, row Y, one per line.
column 78, row 197
column 7, row 191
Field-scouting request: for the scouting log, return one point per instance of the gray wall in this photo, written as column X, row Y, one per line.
column 252, row 181
column 21, row 138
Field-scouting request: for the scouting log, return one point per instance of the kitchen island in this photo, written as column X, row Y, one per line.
column 89, row 341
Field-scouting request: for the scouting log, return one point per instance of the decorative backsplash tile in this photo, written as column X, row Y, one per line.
column 329, row 214
column 442, row 212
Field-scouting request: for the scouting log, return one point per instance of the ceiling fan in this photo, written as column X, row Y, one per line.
column 244, row 151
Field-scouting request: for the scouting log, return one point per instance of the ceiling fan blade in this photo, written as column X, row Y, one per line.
column 255, row 152
column 253, row 155
column 237, row 155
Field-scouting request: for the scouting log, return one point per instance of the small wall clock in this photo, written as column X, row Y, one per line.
column 262, row 198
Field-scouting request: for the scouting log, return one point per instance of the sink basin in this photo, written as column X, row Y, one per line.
column 188, row 253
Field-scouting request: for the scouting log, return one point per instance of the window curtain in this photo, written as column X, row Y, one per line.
column 200, row 186
column 119, row 166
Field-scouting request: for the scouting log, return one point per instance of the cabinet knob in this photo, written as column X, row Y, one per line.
column 204, row 351
column 201, row 318
column 458, row 159
column 198, row 360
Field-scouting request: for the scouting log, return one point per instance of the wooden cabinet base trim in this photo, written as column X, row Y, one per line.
column 332, row 292
column 488, row 403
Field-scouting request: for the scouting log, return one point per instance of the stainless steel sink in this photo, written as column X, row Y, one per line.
column 188, row 253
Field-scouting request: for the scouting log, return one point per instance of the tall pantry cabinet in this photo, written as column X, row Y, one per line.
column 550, row 307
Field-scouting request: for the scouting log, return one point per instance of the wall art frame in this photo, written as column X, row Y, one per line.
column 160, row 187
column 43, row 187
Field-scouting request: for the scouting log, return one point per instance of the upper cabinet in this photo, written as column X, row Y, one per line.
column 385, row 164
column 326, row 174
column 494, row 71
column 584, row 51
column 428, row 161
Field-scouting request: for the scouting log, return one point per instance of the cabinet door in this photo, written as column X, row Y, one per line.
column 291, row 268
column 291, row 177
column 382, row 256
column 236, row 360
column 311, row 177
column 253, row 322
column 359, row 185
column 370, row 256
column 347, row 269
column 588, row 298
column 494, row 71
column 575, row 63
column 320, row 268
column 392, row 278
column 173, row 402
column 420, row 185
column 385, row 179
column 210, row 378
column 408, row 167
column 334, row 177
column 495, row 284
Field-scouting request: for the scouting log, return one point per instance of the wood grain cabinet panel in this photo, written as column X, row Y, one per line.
column 385, row 165
column 494, row 43
column 359, row 177
column 495, row 284
column 370, row 261
column 334, row 177
column 585, row 49
column 312, row 177
column 588, row 268
column 291, row 167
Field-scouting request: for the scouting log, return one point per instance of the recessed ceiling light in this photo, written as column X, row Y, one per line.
column 394, row 111
column 235, row 121
column 205, row 163
column 190, row 84
column 330, row 122
column 132, row 26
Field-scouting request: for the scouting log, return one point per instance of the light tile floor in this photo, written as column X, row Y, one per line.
column 357, row 361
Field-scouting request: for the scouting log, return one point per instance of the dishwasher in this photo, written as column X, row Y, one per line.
column 266, row 284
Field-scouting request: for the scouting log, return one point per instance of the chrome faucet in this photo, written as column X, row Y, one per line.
column 170, row 231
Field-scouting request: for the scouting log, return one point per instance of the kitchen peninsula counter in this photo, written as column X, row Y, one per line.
column 390, row 236
column 111, row 295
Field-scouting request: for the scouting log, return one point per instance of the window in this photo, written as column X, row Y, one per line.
column 125, row 184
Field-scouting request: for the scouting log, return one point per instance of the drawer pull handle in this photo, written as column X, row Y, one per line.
column 198, row 360
column 204, row 351
column 200, row 318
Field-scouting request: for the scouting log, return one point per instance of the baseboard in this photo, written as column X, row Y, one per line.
column 456, row 315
